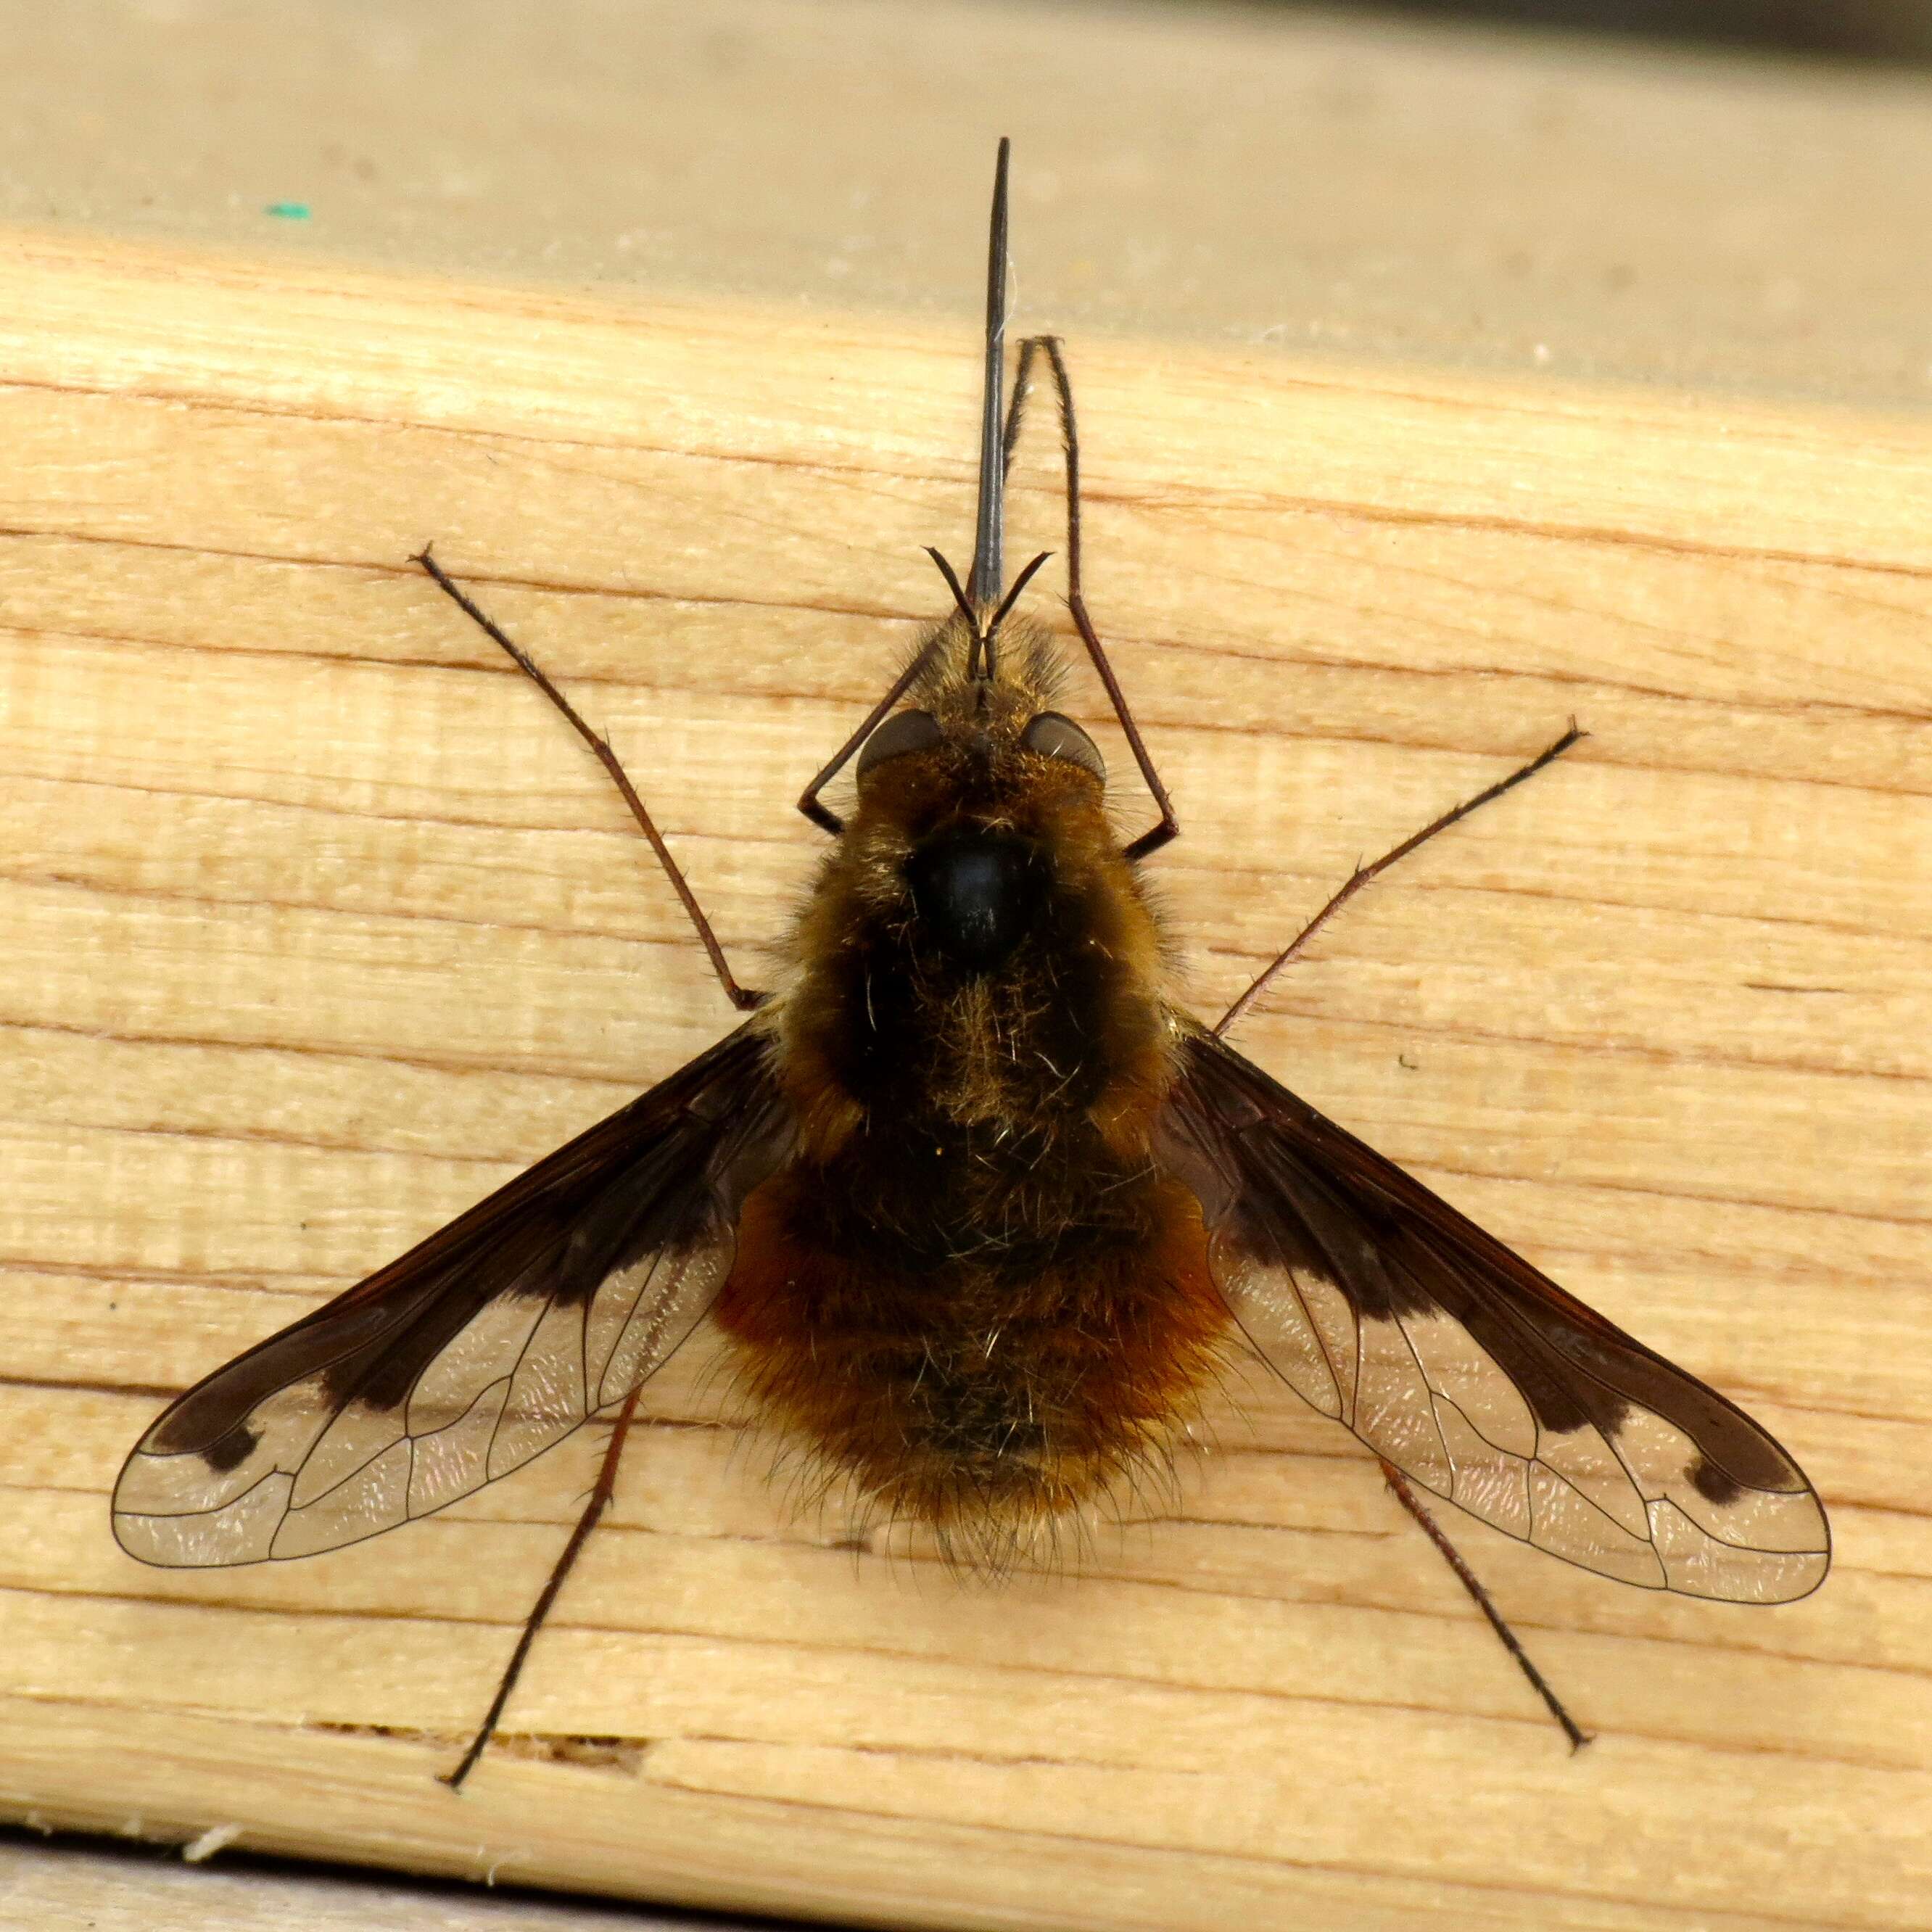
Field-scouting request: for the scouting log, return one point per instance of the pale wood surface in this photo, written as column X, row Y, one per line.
column 320, row 926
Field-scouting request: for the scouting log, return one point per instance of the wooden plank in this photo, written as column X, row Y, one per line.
column 320, row 926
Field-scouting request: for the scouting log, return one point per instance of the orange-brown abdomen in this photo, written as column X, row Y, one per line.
column 979, row 1399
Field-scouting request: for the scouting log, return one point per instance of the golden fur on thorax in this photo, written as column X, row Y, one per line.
column 971, row 1289
column 979, row 1072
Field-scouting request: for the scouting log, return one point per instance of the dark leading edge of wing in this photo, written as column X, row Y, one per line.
column 1380, row 1305
column 489, row 1342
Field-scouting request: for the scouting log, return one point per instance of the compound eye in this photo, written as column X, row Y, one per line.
column 1058, row 737
column 903, row 732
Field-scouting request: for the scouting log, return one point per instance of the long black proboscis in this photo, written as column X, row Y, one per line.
column 989, row 565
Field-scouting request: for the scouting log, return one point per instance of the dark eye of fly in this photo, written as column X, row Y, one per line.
column 1058, row 737
column 977, row 893
column 905, row 731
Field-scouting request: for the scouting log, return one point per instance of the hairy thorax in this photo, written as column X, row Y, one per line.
column 972, row 1288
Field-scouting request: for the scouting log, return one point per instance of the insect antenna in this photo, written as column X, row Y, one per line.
column 958, row 588
column 1007, row 602
column 984, row 634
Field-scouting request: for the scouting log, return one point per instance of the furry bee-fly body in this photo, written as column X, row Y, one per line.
column 980, row 1209
column 973, row 1289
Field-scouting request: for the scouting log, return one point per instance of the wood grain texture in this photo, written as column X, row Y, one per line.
column 321, row 925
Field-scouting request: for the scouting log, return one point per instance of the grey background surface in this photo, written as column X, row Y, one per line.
column 1347, row 185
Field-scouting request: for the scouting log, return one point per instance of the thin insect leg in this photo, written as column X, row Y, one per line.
column 743, row 998
column 1016, row 409
column 1362, row 874
column 823, row 815
column 1411, row 1501
column 600, row 1494
column 1158, row 835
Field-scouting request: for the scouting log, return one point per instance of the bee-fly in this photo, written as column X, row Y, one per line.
column 980, row 1210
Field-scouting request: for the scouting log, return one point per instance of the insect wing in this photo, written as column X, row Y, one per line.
column 489, row 1341
column 1470, row 1372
